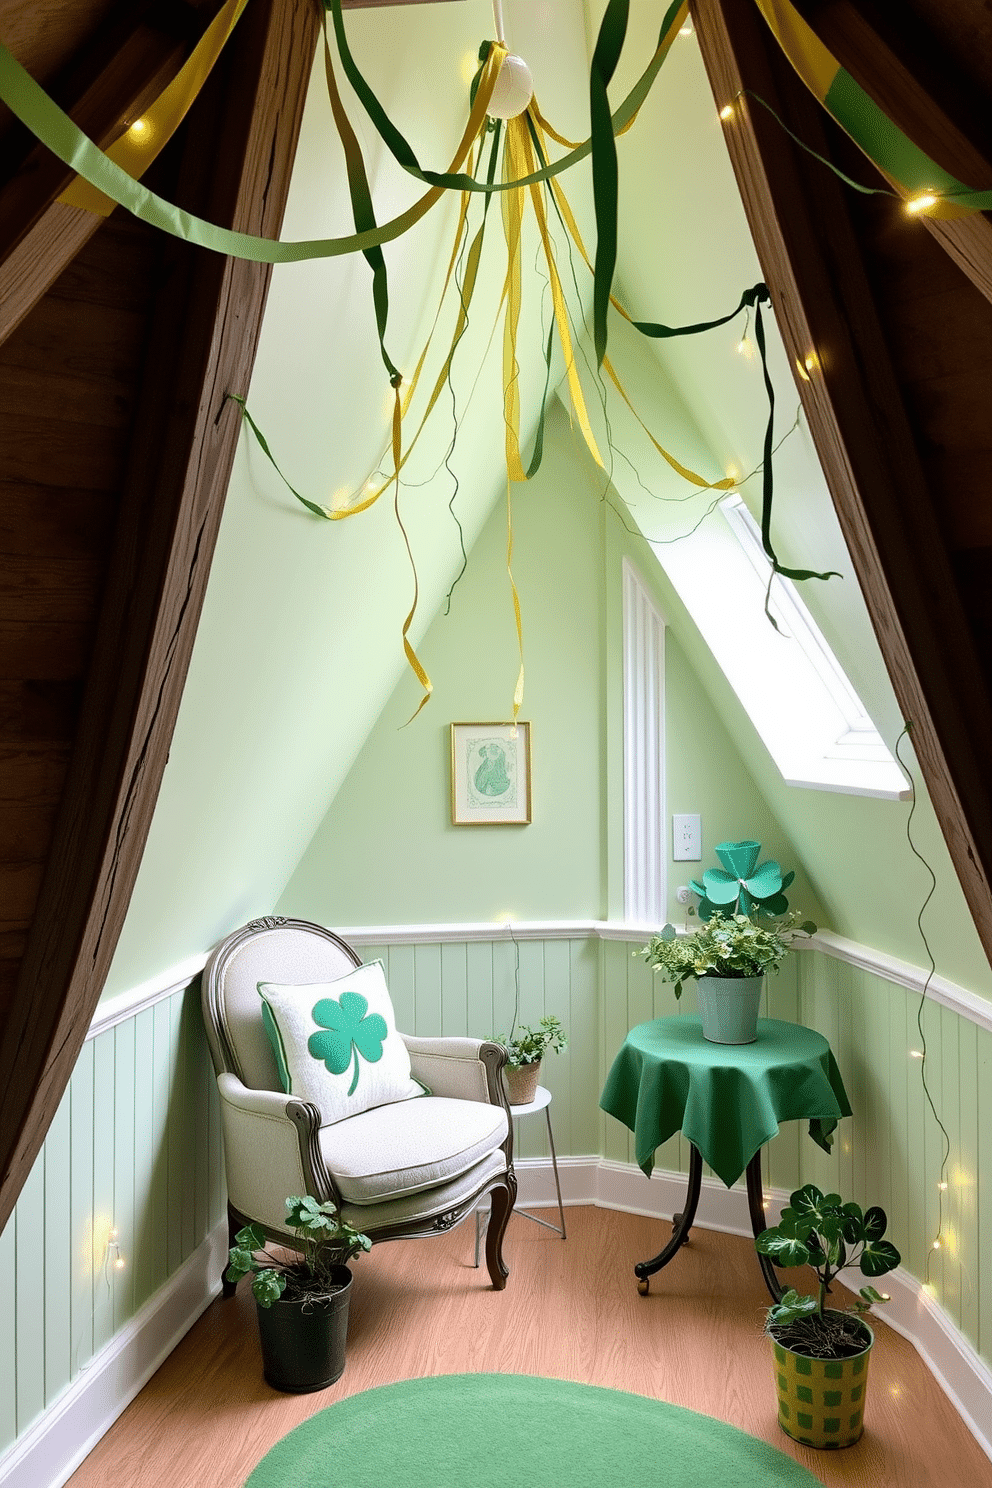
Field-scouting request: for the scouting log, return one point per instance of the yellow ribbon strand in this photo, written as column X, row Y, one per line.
column 560, row 307
column 468, row 289
column 518, row 691
column 560, row 139
column 814, row 63
column 474, row 131
column 411, row 655
column 568, row 218
column 513, row 208
column 139, row 145
column 726, row 484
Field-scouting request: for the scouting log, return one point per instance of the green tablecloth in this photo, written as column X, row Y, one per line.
column 728, row 1099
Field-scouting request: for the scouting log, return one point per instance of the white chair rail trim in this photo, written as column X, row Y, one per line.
column 961, row 1000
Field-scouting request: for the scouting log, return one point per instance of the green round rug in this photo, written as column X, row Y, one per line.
column 505, row 1430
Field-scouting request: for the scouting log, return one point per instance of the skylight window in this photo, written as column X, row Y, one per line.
column 794, row 689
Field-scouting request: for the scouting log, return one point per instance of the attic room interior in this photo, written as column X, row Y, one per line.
column 707, row 590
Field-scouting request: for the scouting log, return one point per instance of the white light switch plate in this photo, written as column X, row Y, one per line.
column 687, row 838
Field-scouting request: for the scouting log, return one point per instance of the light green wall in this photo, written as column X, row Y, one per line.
column 705, row 769
column 386, row 852
column 297, row 650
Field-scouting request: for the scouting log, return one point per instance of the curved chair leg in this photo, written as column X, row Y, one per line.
column 228, row 1288
column 501, row 1199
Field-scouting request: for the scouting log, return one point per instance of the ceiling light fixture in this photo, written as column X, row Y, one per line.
column 514, row 87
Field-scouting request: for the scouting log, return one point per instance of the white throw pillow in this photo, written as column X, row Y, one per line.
column 336, row 1043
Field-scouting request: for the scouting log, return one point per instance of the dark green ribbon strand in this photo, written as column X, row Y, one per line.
column 752, row 299
column 766, row 460
column 405, row 157
column 848, row 180
column 312, row 506
column 363, row 213
column 605, row 182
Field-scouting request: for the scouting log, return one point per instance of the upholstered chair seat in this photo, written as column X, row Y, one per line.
column 421, row 1155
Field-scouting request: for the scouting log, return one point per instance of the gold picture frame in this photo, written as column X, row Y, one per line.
column 490, row 775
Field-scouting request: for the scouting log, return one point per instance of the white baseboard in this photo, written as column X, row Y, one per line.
column 957, row 1367
column 52, row 1448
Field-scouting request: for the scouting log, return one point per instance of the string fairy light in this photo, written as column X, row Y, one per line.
column 921, row 203
column 921, row 1053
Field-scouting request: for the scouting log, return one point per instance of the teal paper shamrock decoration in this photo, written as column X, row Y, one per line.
column 348, row 1028
column 745, row 887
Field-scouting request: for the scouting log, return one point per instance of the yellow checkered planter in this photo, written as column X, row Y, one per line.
column 821, row 1402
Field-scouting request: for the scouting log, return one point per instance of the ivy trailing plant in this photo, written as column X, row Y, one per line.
column 324, row 1239
column 724, row 946
column 529, row 1045
column 821, row 1231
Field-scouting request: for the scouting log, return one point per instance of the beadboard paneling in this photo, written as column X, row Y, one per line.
column 136, row 1141
column 135, row 1145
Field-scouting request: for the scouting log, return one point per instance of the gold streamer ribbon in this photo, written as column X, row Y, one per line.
column 572, row 226
column 412, row 659
column 139, row 145
column 518, row 691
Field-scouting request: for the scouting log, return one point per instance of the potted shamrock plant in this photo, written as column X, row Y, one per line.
column 302, row 1304
column 821, row 1354
column 745, row 933
column 525, row 1048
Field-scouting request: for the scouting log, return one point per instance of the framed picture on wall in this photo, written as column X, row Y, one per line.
column 490, row 774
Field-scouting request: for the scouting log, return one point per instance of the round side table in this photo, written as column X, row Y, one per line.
column 541, row 1102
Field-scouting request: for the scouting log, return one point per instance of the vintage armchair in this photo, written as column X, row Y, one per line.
column 417, row 1167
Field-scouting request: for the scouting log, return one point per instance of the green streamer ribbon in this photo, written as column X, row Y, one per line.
column 605, row 183
column 753, row 299
column 363, row 212
column 52, row 126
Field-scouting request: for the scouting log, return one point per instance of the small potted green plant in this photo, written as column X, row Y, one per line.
column 745, row 933
column 821, row 1355
column 525, row 1048
column 302, row 1303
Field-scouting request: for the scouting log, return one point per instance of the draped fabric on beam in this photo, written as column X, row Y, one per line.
column 857, row 283
column 148, row 535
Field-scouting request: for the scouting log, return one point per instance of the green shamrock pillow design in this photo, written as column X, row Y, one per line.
column 349, row 1026
column 336, row 1044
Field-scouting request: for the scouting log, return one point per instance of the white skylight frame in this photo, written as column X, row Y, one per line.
column 794, row 689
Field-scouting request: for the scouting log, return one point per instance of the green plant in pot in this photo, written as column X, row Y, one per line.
column 745, row 933
column 525, row 1048
column 821, row 1355
column 302, row 1303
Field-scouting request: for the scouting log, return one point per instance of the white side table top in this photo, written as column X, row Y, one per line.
column 541, row 1099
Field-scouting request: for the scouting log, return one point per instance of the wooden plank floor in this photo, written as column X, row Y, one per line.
column 570, row 1311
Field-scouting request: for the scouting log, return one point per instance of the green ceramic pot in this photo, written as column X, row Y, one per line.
column 728, row 1007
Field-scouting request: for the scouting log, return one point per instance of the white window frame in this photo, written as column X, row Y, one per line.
column 789, row 681
column 645, row 857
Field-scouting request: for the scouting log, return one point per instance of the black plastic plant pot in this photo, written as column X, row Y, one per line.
column 303, row 1339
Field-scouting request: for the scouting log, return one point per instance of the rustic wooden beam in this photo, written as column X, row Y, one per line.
column 866, row 445
column 948, row 124
column 202, row 346
column 39, row 236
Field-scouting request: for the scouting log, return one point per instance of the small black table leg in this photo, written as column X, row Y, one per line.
column 759, row 1222
column 682, row 1224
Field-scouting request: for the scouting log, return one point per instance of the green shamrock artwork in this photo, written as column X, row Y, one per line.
column 742, row 886
column 349, row 1025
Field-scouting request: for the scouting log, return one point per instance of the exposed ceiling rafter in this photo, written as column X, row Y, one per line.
column 865, row 439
